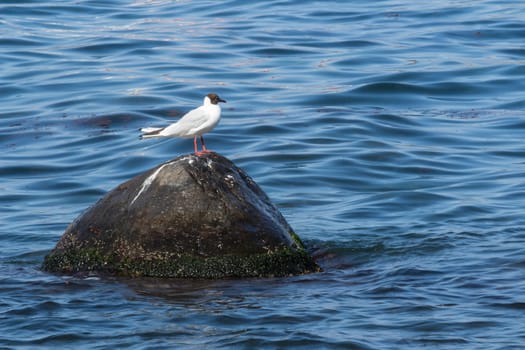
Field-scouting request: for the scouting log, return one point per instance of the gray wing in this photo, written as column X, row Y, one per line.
column 189, row 124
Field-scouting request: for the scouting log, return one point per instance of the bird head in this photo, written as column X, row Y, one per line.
column 214, row 99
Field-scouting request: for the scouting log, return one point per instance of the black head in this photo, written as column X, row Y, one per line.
column 215, row 99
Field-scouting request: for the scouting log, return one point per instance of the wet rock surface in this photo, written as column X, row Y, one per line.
column 191, row 217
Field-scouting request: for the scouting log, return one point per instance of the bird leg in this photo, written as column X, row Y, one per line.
column 195, row 145
column 203, row 146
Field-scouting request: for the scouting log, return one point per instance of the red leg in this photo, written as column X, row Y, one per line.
column 204, row 150
column 195, row 145
column 203, row 146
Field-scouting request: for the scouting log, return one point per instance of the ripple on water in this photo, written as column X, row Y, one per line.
column 389, row 135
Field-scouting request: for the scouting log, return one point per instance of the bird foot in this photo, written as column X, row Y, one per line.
column 200, row 153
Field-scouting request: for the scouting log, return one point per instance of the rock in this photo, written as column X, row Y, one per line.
column 191, row 217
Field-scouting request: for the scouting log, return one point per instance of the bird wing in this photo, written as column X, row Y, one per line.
column 189, row 125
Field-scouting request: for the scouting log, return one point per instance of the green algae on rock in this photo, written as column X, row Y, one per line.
column 191, row 217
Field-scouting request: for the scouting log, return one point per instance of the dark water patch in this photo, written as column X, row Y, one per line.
column 31, row 11
column 18, row 42
column 389, row 87
column 11, row 90
column 16, row 56
column 519, row 52
column 31, row 170
column 511, row 306
column 279, row 51
column 342, row 44
column 112, row 47
column 351, row 64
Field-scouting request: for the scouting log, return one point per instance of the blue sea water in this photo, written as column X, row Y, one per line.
column 390, row 133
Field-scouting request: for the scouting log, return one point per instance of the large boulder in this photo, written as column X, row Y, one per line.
column 192, row 217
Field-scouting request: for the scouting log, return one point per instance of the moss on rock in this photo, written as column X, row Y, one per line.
column 284, row 262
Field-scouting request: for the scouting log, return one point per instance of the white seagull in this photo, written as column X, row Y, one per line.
column 194, row 123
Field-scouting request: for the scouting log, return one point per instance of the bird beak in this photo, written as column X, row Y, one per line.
column 221, row 100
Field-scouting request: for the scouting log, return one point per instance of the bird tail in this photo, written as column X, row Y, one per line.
column 150, row 132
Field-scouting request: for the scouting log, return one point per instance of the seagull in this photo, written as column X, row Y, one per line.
column 194, row 123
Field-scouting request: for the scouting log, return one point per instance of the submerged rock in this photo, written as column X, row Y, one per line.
column 191, row 217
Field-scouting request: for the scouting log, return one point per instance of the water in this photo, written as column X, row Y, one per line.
column 389, row 133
